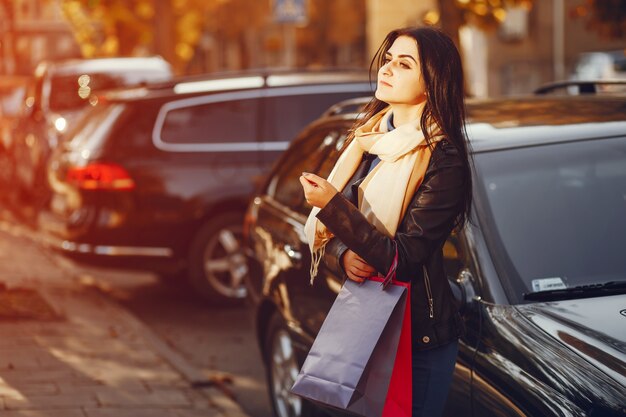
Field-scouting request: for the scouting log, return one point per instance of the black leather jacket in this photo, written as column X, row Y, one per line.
column 420, row 236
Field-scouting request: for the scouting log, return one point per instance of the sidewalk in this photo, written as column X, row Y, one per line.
column 67, row 351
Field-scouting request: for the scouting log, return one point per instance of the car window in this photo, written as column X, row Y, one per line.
column 220, row 122
column 306, row 155
column 333, row 154
column 72, row 92
column 285, row 116
column 92, row 128
column 555, row 215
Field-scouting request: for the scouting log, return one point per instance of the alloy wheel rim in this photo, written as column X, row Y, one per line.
column 284, row 369
column 224, row 264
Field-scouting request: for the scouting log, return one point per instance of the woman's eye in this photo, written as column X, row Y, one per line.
column 386, row 60
column 404, row 65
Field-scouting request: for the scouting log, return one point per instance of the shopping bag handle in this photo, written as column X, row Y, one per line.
column 391, row 274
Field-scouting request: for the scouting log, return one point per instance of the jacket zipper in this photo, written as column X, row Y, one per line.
column 429, row 294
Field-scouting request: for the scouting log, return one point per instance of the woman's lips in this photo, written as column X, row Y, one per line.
column 386, row 84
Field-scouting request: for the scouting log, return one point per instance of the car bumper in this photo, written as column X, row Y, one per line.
column 153, row 259
column 113, row 251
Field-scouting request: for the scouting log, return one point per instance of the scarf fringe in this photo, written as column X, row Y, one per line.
column 316, row 258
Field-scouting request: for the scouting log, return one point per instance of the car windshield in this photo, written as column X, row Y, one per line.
column 72, row 92
column 555, row 215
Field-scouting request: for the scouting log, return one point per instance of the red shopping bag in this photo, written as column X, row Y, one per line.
column 399, row 400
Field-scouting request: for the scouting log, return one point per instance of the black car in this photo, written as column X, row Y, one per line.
column 158, row 177
column 540, row 271
column 55, row 98
column 12, row 91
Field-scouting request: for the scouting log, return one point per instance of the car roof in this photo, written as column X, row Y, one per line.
column 516, row 122
column 238, row 81
column 119, row 64
column 502, row 123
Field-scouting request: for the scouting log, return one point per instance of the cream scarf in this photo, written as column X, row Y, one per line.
column 386, row 192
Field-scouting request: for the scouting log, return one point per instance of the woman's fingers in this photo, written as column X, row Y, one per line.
column 307, row 186
column 313, row 178
column 363, row 266
column 358, row 272
column 356, row 265
column 355, row 278
column 361, row 269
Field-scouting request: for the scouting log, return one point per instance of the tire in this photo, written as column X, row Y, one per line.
column 217, row 265
column 282, row 367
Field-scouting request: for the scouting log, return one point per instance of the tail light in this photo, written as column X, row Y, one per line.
column 100, row 176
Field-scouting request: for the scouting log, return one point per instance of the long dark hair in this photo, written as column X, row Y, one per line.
column 442, row 72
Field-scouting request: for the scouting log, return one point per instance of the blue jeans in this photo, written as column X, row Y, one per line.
column 432, row 376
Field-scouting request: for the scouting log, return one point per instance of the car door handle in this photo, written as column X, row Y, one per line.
column 293, row 253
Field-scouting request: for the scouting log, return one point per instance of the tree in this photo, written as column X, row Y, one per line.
column 606, row 17
column 11, row 46
column 487, row 15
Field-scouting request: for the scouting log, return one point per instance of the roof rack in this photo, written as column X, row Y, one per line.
column 354, row 105
column 584, row 87
column 272, row 76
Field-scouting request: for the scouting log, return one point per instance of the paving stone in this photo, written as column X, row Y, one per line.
column 27, row 389
column 43, row 375
column 42, row 413
column 127, row 357
column 157, row 398
column 18, row 362
column 200, row 413
column 78, row 342
column 29, row 359
column 136, row 412
column 69, row 387
column 113, row 373
column 157, row 385
column 100, row 361
column 51, row 401
column 12, row 342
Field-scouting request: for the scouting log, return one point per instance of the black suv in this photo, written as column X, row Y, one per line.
column 159, row 177
column 540, row 272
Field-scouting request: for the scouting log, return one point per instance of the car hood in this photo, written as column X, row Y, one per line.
column 594, row 328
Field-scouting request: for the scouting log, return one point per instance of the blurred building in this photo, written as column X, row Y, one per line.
column 32, row 31
column 531, row 47
column 386, row 15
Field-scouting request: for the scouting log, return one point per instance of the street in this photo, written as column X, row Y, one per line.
column 212, row 339
column 217, row 343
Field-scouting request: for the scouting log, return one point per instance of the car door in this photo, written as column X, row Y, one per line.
column 456, row 262
column 280, row 226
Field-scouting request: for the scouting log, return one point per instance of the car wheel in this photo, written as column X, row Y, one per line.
column 217, row 265
column 282, row 368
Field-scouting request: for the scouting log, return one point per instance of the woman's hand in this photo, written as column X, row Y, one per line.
column 356, row 268
column 317, row 191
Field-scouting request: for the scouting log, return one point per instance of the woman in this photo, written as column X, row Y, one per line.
column 406, row 184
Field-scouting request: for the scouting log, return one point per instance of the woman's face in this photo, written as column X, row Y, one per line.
column 400, row 78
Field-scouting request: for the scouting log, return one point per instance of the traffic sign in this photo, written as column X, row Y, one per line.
column 290, row 11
